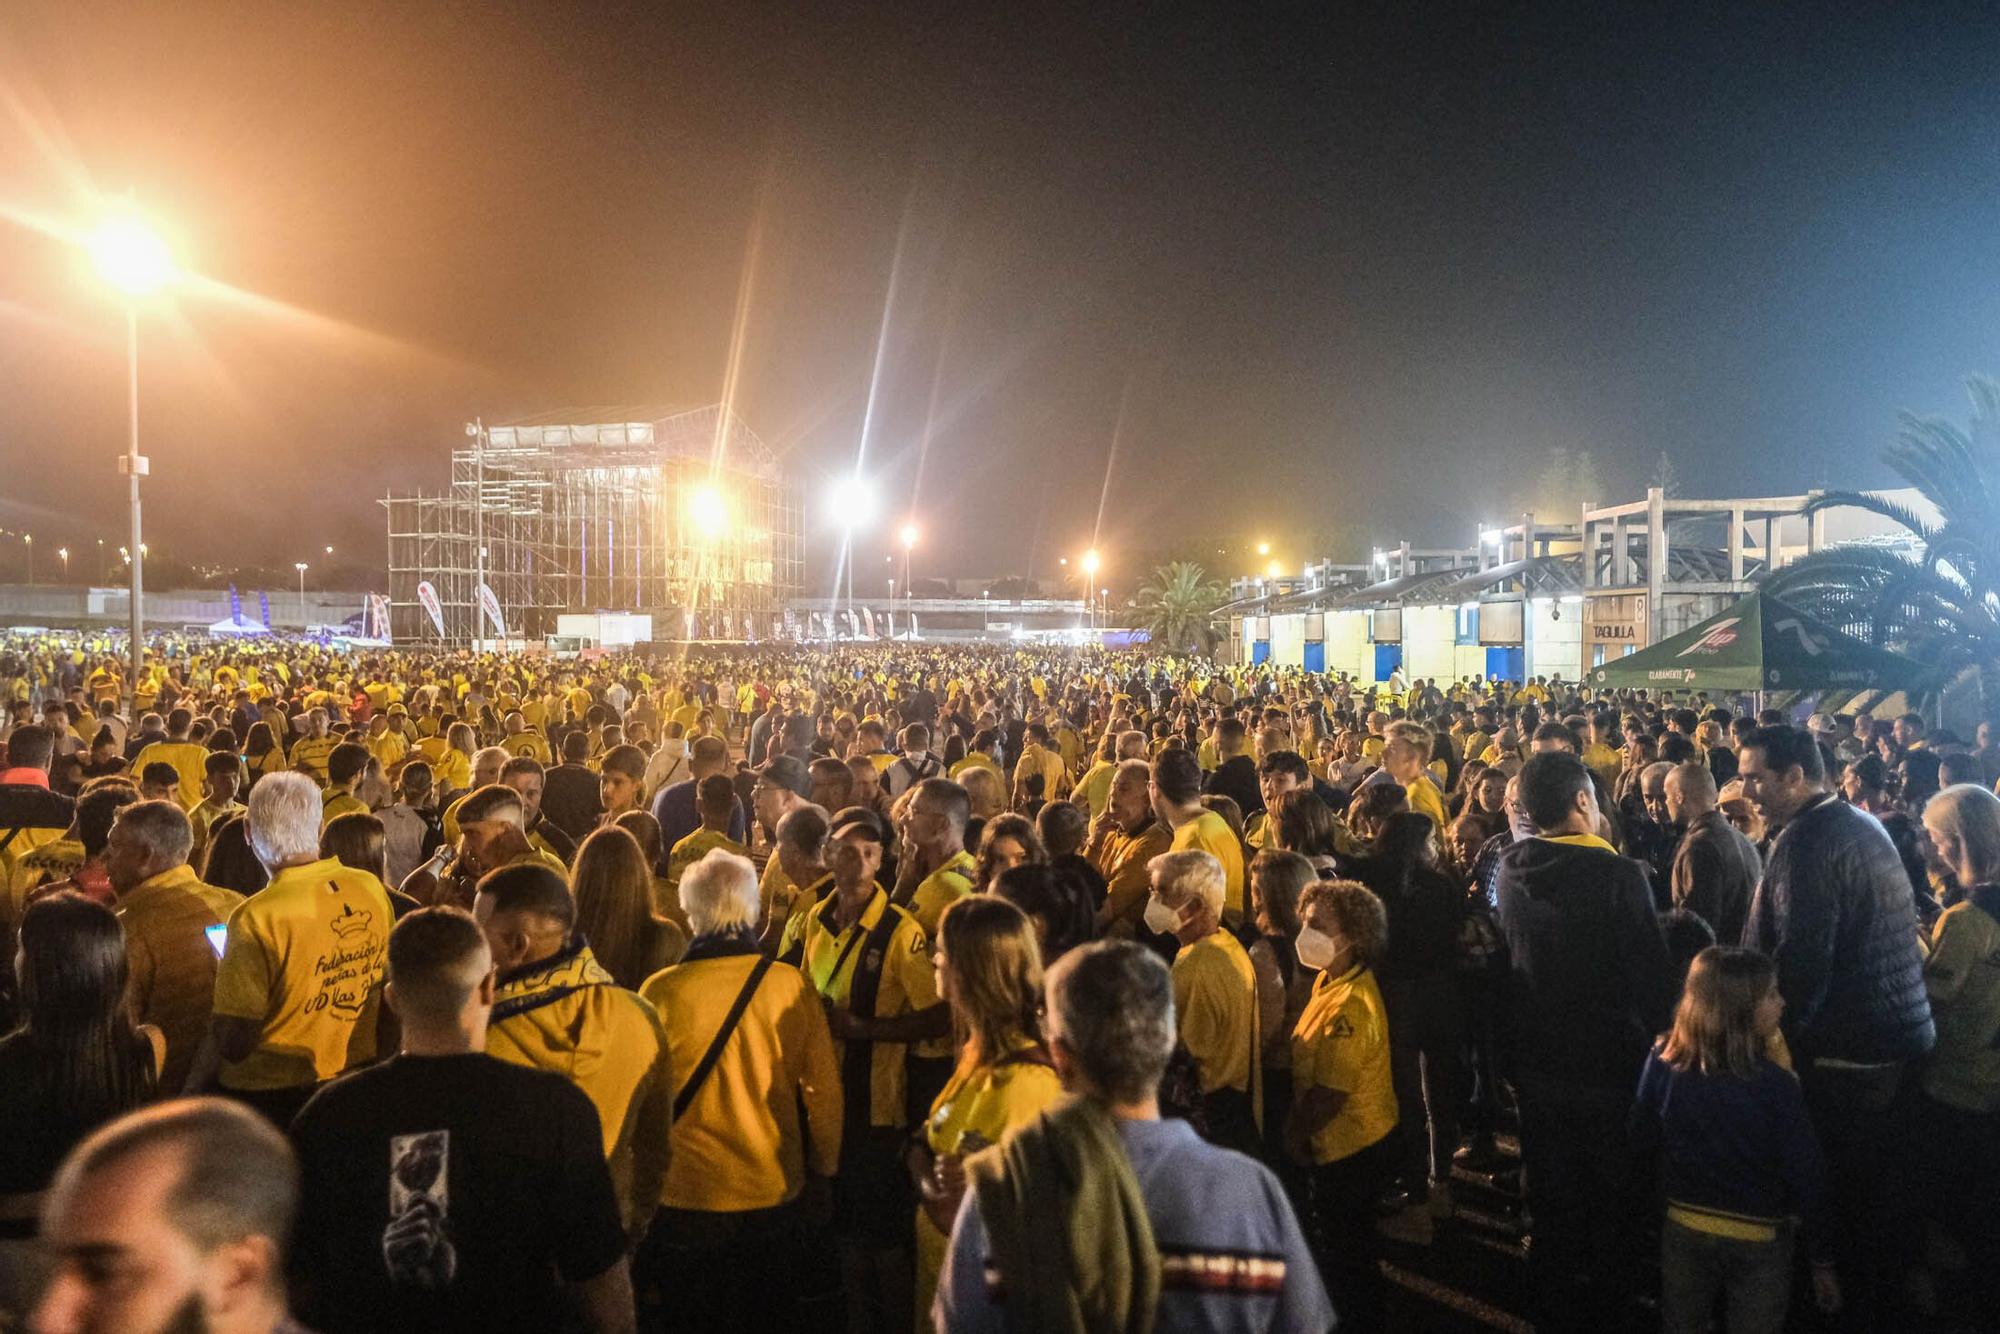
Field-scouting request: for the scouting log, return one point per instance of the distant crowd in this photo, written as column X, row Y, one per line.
column 891, row 986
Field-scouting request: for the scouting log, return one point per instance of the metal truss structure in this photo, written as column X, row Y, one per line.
column 684, row 515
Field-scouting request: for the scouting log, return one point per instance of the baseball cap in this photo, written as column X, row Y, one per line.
column 1823, row 722
column 786, row 771
column 860, row 817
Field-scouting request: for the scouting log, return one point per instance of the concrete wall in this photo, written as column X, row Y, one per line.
column 1555, row 637
column 71, row 605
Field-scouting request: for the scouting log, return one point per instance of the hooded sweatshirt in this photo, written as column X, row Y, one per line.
column 1589, row 983
column 566, row 1015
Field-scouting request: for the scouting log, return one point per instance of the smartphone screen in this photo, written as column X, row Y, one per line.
column 218, row 936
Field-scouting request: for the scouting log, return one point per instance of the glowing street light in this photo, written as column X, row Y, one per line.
column 28, row 540
column 1272, row 569
column 64, row 553
column 1263, row 548
column 1091, row 562
column 130, row 256
column 852, row 501
column 300, row 566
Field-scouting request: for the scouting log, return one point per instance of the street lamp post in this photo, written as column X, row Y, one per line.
column 135, row 262
column 909, row 536
column 1090, row 565
column 63, row 552
column 300, row 566
column 29, row 540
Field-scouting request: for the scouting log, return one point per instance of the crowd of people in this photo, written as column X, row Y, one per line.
column 897, row 986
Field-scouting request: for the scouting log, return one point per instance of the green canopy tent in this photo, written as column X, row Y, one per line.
column 1760, row 644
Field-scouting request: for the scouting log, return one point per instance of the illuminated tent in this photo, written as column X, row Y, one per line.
column 1760, row 644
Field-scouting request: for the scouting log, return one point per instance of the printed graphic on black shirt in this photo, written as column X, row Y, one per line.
column 416, row 1246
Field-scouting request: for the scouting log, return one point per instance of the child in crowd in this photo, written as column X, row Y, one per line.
column 1739, row 1161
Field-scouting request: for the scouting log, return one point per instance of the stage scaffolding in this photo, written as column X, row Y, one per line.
column 601, row 510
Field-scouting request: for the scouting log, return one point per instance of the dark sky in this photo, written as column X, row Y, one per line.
column 1349, row 268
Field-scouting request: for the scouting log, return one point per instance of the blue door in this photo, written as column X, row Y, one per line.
column 1504, row 664
column 1260, row 652
column 1388, row 657
column 1315, row 655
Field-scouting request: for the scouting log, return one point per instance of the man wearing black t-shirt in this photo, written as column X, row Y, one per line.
column 448, row 1190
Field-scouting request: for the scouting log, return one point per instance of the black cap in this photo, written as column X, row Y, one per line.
column 787, row 771
column 861, row 817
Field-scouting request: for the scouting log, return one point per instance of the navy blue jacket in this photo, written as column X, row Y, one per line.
column 1834, row 909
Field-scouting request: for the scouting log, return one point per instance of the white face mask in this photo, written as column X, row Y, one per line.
column 1317, row 950
column 1160, row 919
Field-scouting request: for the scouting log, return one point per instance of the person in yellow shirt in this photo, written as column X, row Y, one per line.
column 756, row 1134
column 188, row 758
column 989, row 970
column 979, row 754
column 1343, row 1099
column 386, row 742
column 556, row 1008
column 221, row 774
column 870, row 962
column 345, row 764
column 298, row 990
column 1215, row 994
column 1403, row 753
column 715, row 799
column 1176, row 797
column 1039, row 759
column 937, row 870
column 1123, row 842
column 1094, row 788
column 309, row 752
column 519, row 740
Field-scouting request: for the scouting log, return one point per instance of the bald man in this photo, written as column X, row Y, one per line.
column 1715, row 867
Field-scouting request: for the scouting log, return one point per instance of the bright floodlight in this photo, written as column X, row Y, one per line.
column 1090, row 562
column 909, row 536
column 707, row 511
column 1263, row 548
column 130, row 257
column 1272, row 569
column 852, row 501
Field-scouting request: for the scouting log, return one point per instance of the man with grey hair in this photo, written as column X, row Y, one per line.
column 298, row 992
column 168, row 915
column 748, row 1044
column 1101, row 1215
column 1215, row 993
column 172, row 1218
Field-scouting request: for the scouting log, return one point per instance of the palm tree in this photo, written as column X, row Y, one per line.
column 1175, row 608
column 1940, row 604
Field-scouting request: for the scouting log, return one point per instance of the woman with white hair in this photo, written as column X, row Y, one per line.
column 1957, row 1112
column 748, row 1043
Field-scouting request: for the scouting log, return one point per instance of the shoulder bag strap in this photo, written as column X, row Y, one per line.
column 721, row 1039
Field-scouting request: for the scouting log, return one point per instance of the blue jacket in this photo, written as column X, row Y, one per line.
column 1834, row 909
column 1733, row 1146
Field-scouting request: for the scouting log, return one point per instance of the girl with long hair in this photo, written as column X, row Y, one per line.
column 1737, row 1154
column 1007, row 841
column 77, row 1060
column 613, row 887
column 989, row 970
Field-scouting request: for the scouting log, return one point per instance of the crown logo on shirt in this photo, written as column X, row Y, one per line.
column 351, row 923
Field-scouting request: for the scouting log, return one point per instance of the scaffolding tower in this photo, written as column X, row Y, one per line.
column 684, row 515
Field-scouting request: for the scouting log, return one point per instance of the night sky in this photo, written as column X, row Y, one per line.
column 1346, row 270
